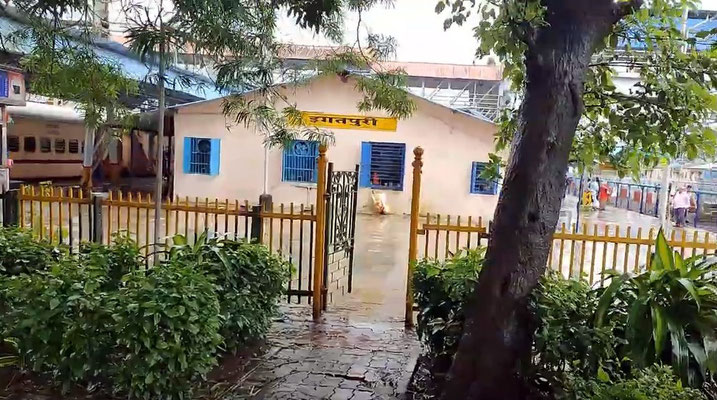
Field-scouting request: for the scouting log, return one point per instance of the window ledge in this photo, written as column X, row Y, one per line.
column 386, row 188
column 306, row 185
column 484, row 193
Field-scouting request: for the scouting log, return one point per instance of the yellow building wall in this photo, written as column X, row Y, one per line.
column 451, row 141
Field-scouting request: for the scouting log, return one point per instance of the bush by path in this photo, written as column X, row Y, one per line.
column 101, row 318
column 593, row 342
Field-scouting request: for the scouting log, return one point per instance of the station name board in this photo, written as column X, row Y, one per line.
column 338, row 121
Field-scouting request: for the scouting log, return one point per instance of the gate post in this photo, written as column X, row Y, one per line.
column 10, row 202
column 413, row 239
column 320, row 232
column 328, row 212
column 256, row 234
column 97, row 222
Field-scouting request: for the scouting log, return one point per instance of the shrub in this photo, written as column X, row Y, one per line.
column 98, row 316
column 671, row 313
column 654, row 383
column 566, row 340
column 122, row 256
column 250, row 280
column 441, row 291
column 20, row 252
column 167, row 325
column 60, row 319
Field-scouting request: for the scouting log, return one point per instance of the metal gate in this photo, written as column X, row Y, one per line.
column 341, row 197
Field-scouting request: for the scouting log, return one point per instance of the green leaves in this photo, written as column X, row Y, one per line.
column 99, row 316
column 20, row 252
column 663, row 257
column 667, row 83
column 440, row 291
column 677, row 303
column 182, row 310
column 249, row 280
column 659, row 327
column 607, row 298
column 680, row 349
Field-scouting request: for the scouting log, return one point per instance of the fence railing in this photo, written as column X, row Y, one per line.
column 580, row 252
column 644, row 198
column 586, row 252
column 70, row 216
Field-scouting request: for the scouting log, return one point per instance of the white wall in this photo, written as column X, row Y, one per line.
column 451, row 141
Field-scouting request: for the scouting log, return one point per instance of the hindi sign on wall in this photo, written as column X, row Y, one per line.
column 338, row 121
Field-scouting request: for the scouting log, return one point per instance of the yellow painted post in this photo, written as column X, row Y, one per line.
column 413, row 238
column 320, row 232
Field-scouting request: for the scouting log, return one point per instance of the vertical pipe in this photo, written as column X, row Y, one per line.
column 642, row 197
column 697, row 209
column 87, row 156
column 320, row 227
column 160, row 148
column 413, row 233
column 577, row 208
column 664, row 196
column 331, row 204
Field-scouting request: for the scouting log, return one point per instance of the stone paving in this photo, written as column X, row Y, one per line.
column 334, row 359
column 360, row 349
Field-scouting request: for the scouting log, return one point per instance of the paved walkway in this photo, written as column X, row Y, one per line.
column 360, row 349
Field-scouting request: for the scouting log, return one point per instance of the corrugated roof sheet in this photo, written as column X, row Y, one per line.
column 200, row 86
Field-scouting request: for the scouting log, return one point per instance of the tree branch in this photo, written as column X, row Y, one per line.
column 624, row 8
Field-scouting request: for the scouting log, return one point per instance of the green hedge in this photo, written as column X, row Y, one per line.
column 21, row 252
column 249, row 282
column 101, row 317
column 166, row 326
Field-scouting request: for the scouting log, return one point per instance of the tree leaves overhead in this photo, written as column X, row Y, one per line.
column 235, row 38
column 62, row 64
column 658, row 112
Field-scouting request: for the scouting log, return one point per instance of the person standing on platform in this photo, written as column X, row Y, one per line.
column 594, row 188
column 604, row 194
column 681, row 204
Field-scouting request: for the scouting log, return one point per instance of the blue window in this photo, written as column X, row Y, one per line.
column 201, row 156
column 300, row 161
column 480, row 185
column 4, row 84
column 382, row 165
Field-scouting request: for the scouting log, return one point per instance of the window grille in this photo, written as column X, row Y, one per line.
column 300, row 161
column 480, row 185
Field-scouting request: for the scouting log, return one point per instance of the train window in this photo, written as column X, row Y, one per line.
column 45, row 145
column 74, row 146
column 59, row 145
column 13, row 143
column 29, row 144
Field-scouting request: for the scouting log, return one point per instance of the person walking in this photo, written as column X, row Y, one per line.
column 681, row 204
column 594, row 188
column 604, row 194
column 693, row 203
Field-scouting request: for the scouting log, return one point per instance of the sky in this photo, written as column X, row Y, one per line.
column 421, row 40
column 414, row 24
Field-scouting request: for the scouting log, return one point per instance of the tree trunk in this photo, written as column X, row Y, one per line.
column 497, row 338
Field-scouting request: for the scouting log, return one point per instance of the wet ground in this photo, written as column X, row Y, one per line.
column 619, row 216
column 360, row 349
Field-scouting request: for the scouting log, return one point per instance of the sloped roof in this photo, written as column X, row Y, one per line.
column 415, row 97
column 199, row 87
